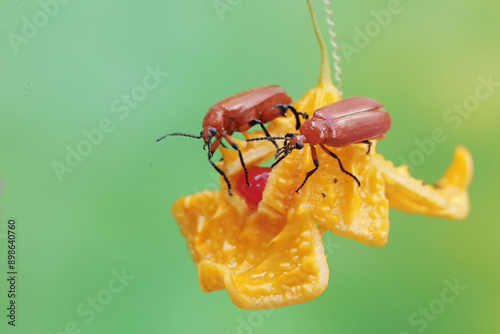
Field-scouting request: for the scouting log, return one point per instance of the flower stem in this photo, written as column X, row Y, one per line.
column 325, row 72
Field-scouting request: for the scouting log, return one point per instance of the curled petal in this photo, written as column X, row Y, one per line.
column 448, row 198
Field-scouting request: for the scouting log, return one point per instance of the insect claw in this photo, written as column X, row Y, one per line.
column 283, row 109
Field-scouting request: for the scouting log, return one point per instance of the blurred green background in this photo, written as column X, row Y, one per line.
column 64, row 75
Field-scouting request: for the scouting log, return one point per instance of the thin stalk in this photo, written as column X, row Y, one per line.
column 325, row 77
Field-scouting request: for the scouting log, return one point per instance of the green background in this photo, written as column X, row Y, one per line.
column 113, row 210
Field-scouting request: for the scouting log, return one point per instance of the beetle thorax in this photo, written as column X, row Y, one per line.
column 314, row 130
column 213, row 119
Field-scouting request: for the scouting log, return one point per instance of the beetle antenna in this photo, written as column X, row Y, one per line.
column 281, row 150
column 281, row 158
column 284, row 148
column 178, row 134
column 267, row 138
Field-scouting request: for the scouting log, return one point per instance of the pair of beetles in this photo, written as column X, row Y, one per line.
column 349, row 121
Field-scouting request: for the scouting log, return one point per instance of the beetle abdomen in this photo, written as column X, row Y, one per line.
column 346, row 107
column 258, row 98
column 357, row 127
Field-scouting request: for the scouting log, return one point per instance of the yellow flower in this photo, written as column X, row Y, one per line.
column 272, row 255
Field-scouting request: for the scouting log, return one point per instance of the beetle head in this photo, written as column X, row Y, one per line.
column 293, row 141
column 297, row 142
column 207, row 134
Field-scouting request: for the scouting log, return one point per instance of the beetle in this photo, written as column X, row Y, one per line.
column 349, row 121
column 240, row 112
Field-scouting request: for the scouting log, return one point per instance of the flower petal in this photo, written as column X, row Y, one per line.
column 449, row 197
column 210, row 226
column 262, row 261
column 340, row 205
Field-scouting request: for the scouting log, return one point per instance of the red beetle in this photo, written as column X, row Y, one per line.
column 239, row 112
column 349, row 121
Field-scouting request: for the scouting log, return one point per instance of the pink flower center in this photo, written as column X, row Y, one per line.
column 258, row 178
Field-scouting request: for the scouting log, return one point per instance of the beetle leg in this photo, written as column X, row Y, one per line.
column 369, row 145
column 340, row 163
column 316, row 164
column 213, row 146
column 237, row 148
column 285, row 107
column 216, row 144
column 258, row 121
column 220, row 171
